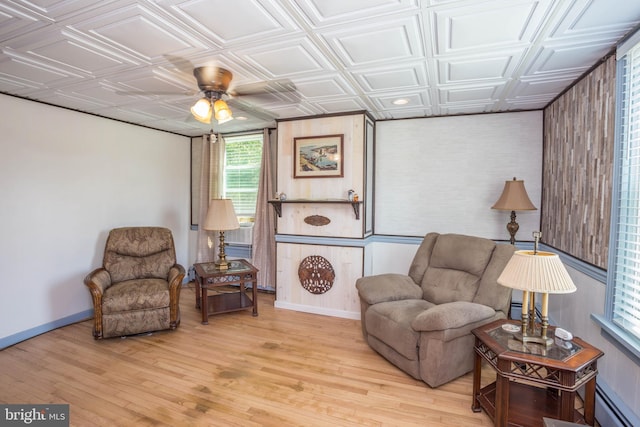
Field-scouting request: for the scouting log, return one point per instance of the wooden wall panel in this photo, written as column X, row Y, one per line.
column 577, row 167
column 343, row 222
column 341, row 300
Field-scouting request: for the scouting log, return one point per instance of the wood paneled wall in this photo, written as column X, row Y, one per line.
column 578, row 165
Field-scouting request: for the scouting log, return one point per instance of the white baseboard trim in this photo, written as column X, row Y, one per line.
column 318, row 310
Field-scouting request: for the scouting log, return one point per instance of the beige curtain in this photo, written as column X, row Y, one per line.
column 217, row 168
column 212, row 155
column 263, row 241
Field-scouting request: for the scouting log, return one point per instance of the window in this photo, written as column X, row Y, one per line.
column 622, row 310
column 243, row 156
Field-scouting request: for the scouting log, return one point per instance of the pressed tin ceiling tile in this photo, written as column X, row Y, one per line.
column 134, row 60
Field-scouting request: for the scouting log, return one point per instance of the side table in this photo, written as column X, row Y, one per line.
column 208, row 277
column 533, row 381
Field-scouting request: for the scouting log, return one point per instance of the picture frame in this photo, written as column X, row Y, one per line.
column 318, row 156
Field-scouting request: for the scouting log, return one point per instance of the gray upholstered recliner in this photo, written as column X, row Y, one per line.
column 137, row 289
column 422, row 322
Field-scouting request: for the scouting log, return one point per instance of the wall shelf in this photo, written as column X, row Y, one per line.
column 277, row 204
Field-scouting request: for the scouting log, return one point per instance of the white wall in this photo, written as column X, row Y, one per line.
column 443, row 174
column 67, row 179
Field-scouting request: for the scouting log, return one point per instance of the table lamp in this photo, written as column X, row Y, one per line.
column 536, row 272
column 514, row 198
column 221, row 216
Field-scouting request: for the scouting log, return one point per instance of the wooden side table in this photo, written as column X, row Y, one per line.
column 208, row 277
column 533, row 381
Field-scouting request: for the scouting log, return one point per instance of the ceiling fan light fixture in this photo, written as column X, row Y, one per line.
column 201, row 110
column 222, row 112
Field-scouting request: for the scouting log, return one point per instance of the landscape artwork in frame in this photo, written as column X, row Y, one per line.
column 318, row 156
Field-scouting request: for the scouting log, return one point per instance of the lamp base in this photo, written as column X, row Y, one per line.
column 512, row 228
column 222, row 264
column 537, row 338
column 529, row 332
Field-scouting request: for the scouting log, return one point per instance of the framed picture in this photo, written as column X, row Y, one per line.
column 318, row 156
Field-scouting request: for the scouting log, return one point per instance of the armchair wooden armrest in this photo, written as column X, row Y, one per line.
column 175, row 277
column 97, row 281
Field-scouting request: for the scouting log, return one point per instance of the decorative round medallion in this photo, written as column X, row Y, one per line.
column 316, row 274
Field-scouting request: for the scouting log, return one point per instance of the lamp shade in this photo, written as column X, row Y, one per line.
column 537, row 272
column 514, row 197
column 221, row 216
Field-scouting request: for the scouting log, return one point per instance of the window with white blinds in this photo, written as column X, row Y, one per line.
column 242, row 159
column 623, row 304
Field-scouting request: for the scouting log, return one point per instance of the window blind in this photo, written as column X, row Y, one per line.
column 243, row 156
column 626, row 268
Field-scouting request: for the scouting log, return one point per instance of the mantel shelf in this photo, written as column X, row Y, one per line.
column 277, row 204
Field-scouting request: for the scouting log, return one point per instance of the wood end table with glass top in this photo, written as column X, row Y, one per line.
column 533, row 381
column 225, row 296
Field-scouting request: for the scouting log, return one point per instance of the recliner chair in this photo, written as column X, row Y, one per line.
column 422, row 322
column 137, row 289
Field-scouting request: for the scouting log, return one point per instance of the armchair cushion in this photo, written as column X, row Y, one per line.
column 136, row 294
column 442, row 285
column 451, row 315
column 456, row 265
column 462, row 253
column 139, row 252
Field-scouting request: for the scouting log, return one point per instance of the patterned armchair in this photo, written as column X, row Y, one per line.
column 137, row 289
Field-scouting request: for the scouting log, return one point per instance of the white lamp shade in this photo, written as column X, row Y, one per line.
column 537, row 272
column 514, row 197
column 221, row 216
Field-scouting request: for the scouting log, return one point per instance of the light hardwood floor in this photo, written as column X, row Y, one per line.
column 282, row 368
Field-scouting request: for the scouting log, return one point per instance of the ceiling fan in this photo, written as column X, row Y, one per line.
column 214, row 83
column 218, row 97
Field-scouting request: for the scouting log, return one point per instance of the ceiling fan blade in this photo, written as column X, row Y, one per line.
column 155, row 93
column 252, row 110
column 181, row 64
column 259, row 88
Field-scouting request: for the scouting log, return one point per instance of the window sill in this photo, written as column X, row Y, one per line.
column 619, row 337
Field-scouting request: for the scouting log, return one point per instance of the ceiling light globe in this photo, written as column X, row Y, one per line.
column 201, row 110
column 222, row 111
